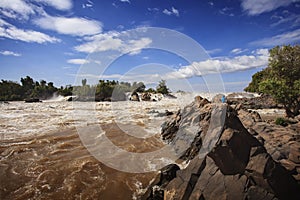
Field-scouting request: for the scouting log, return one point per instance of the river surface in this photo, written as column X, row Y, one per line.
column 47, row 149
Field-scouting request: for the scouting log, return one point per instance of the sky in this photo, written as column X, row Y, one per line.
column 194, row 45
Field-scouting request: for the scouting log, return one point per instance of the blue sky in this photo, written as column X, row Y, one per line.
column 54, row 39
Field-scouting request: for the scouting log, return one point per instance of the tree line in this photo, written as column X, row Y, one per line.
column 102, row 91
column 13, row 91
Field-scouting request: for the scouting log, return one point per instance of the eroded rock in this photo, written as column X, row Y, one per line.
column 234, row 163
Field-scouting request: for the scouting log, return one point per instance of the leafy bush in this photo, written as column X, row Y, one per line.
column 281, row 121
column 281, row 79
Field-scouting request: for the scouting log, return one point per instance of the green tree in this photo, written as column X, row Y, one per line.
column 10, row 91
column 257, row 78
column 66, row 91
column 27, row 86
column 162, row 87
column 43, row 83
column 282, row 79
column 83, row 81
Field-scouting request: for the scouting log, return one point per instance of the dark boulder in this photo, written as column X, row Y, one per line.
column 134, row 97
column 32, row 100
column 164, row 176
column 226, row 160
column 146, row 96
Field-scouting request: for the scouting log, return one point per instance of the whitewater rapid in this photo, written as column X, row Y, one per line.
column 19, row 119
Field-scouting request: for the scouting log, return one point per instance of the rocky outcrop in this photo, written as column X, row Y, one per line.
column 134, row 97
column 165, row 175
column 146, row 96
column 261, row 102
column 227, row 159
column 32, row 100
column 282, row 143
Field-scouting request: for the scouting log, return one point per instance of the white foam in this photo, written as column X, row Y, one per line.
column 19, row 119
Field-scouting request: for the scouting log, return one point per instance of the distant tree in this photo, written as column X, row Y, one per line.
column 66, row 91
column 27, row 85
column 50, row 85
column 281, row 79
column 43, row 83
column 150, row 90
column 83, row 81
column 10, row 91
column 162, row 87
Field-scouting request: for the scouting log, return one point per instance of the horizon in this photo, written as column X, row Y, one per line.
column 55, row 40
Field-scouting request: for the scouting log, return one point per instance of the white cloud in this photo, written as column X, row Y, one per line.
column 20, row 9
column 112, row 41
column 175, row 11
column 125, row 1
column 78, row 61
column 70, row 26
column 58, row 4
column 167, row 12
column 256, row 7
column 172, row 11
column 285, row 38
column 153, row 9
column 88, row 4
column 10, row 31
column 134, row 46
column 9, row 53
column 226, row 11
column 15, row 9
column 287, row 19
column 238, row 51
column 214, row 51
column 100, row 42
column 259, row 58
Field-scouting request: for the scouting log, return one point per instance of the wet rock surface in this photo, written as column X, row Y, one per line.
column 250, row 102
column 134, row 97
column 231, row 156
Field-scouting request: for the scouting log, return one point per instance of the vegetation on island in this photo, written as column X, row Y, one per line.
column 13, row 91
column 281, row 79
column 105, row 90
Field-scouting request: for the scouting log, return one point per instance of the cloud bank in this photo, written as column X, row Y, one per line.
column 70, row 26
column 10, row 31
column 257, row 7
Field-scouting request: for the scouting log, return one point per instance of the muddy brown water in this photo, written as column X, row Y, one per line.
column 57, row 166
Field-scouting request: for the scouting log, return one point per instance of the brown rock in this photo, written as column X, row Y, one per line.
column 294, row 154
column 146, row 96
column 134, row 97
column 237, row 165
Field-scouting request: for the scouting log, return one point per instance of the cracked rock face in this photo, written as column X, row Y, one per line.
column 234, row 163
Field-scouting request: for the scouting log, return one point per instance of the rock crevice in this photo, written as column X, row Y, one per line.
column 226, row 158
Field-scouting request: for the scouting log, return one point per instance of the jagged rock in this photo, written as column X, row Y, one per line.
column 282, row 143
column 32, row 100
column 134, row 97
column 226, row 161
column 218, row 98
column 166, row 174
column 166, row 113
column 294, row 154
column 146, row 96
column 263, row 101
column 241, row 95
